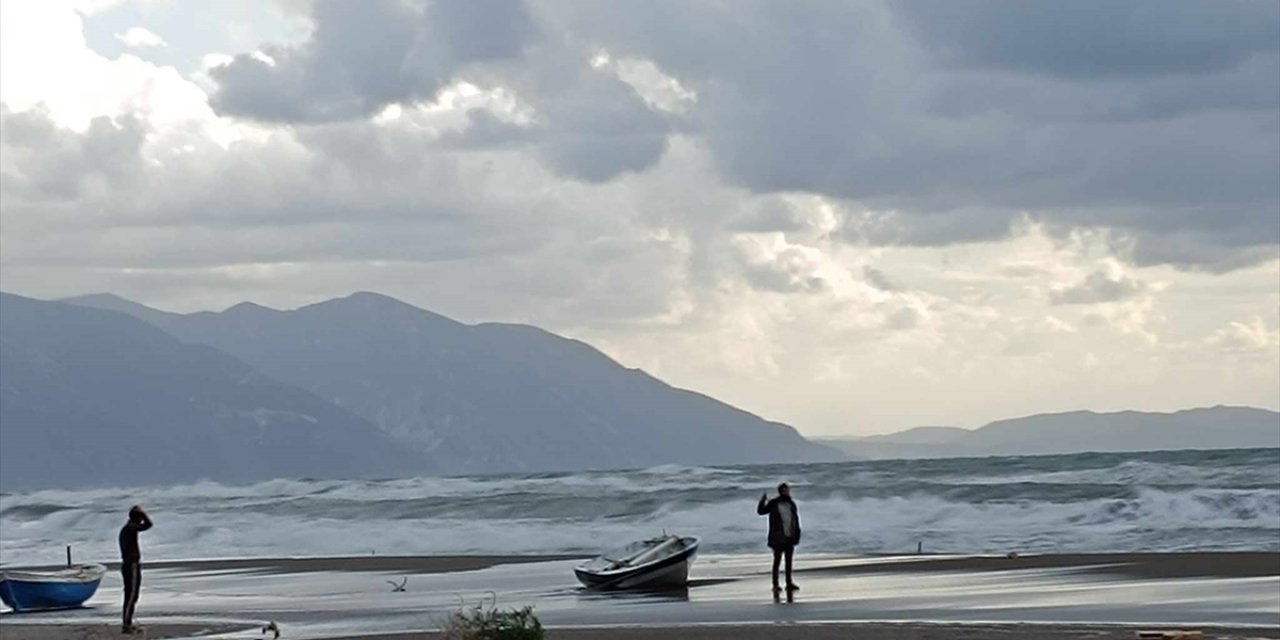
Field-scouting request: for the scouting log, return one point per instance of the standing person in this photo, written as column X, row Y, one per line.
column 784, row 530
column 131, row 563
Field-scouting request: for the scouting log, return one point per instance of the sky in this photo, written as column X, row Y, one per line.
column 852, row 217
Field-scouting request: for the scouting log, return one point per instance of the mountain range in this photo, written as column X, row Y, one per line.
column 1080, row 431
column 102, row 390
column 90, row 397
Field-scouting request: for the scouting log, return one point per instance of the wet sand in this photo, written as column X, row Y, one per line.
column 861, row 631
column 398, row 564
column 1138, row 565
column 1227, row 595
column 873, row 631
column 1146, row 565
column 99, row 631
column 401, row 564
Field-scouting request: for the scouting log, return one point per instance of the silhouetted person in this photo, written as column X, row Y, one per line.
column 131, row 563
column 784, row 530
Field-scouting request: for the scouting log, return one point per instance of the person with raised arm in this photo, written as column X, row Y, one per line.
column 131, row 564
column 784, row 530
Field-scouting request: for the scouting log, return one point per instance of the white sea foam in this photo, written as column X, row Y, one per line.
column 1138, row 472
column 854, row 507
column 688, row 471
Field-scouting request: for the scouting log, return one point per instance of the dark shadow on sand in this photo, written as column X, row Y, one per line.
column 667, row 594
column 35, row 613
column 1133, row 565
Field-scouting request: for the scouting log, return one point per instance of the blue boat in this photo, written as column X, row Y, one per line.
column 30, row 590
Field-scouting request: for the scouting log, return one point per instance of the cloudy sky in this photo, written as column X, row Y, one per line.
column 853, row 217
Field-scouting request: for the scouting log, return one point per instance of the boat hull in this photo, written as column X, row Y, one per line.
column 34, row 591
column 669, row 572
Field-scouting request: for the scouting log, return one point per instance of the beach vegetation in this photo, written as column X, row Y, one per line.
column 481, row 622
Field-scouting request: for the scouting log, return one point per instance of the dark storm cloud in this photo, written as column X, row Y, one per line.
column 359, row 192
column 1211, row 251
column 1154, row 117
column 486, row 131
column 927, row 227
column 46, row 163
column 1160, row 119
column 1144, row 148
column 353, row 64
column 363, row 56
column 599, row 129
column 768, row 215
column 1252, row 85
column 1091, row 39
column 479, row 30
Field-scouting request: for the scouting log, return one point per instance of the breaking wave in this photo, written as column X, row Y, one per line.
column 1160, row 501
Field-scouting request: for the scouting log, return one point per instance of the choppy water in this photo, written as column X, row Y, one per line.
column 1156, row 501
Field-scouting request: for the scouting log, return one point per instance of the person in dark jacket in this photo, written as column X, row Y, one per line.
column 131, row 563
column 784, row 530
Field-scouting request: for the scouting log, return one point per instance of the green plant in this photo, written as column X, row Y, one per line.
column 490, row 623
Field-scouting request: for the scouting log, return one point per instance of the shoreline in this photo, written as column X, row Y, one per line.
column 1228, row 595
column 402, row 564
column 1164, row 564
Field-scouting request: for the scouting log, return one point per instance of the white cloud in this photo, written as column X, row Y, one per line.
column 75, row 84
column 1249, row 336
column 210, row 60
column 656, row 87
column 140, row 38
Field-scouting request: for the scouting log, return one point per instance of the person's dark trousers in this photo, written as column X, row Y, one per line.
column 777, row 558
column 131, row 572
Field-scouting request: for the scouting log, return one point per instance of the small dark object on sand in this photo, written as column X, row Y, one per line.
column 273, row 628
column 395, row 588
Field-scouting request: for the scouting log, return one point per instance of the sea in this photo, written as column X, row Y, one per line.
column 1222, row 500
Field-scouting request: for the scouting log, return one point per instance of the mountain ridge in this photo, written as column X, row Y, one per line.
column 489, row 397
column 1078, row 431
column 92, row 397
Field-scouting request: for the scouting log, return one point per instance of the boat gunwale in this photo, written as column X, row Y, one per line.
column 628, row 568
column 602, row 581
column 79, row 574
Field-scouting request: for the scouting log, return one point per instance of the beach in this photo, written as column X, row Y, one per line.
column 862, row 631
column 1226, row 595
column 830, row 631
